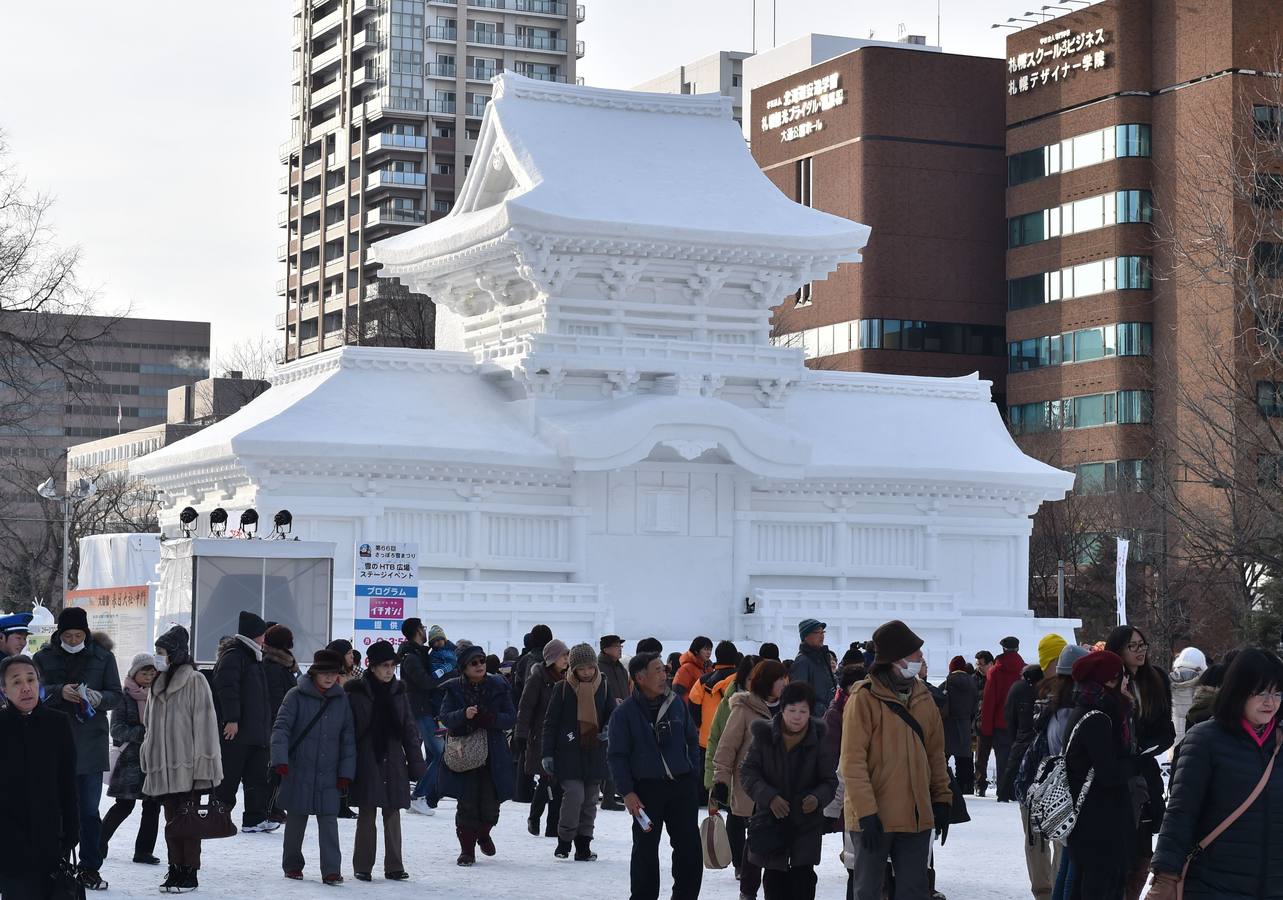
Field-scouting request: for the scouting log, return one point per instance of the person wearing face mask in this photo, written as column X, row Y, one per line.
column 126, row 784
column 180, row 754
column 40, row 824
column 81, row 680
column 893, row 769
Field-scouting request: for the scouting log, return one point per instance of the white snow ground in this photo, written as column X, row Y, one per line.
column 983, row 860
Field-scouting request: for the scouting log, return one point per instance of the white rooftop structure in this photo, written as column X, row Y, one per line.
column 607, row 441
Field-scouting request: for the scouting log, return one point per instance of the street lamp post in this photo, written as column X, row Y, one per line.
column 83, row 489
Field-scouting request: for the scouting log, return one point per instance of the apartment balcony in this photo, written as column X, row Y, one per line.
column 441, row 206
column 282, row 252
column 442, row 33
column 360, row 7
column 287, row 148
column 389, row 141
column 280, row 286
column 366, row 40
column 579, row 49
column 326, row 58
column 482, row 73
column 319, row 130
column 283, row 184
column 387, row 178
column 327, row 92
column 324, row 26
column 309, row 346
column 542, row 76
column 361, row 75
column 580, row 12
column 539, row 7
column 477, row 110
column 520, row 41
column 442, row 70
column 333, row 339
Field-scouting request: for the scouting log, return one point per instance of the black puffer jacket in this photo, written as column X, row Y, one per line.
column 1106, row 813
column 962, row 694
column 1020, row 724
column 573, row 759
column 1218, row 767
column 240, row 693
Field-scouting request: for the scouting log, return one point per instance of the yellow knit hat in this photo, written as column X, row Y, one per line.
column 1049, row 650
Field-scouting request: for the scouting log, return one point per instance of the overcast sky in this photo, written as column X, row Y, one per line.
column 155, row 124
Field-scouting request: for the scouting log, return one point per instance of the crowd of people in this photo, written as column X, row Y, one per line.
column 777, row 751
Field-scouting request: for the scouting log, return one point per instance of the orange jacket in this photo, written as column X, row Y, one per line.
column 688, row 673
column 707, row 694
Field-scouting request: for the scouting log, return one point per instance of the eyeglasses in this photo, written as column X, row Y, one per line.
column 1137, row 646
column 477, row 662
column 1272, row 696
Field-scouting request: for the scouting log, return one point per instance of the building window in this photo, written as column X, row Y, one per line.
column 1112, row 476
column 898, row 334
column 804, row 181
column 804, row 296
column 1079, row 216
column 1269, row 191
column 1079, row 152
column 1086, row 411
column 1268, row 259
column 1123, row 273
column 1084, row 345
column 1269, row 398
column 1266, row 121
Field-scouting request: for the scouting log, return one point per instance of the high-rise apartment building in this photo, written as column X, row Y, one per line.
column 387, row 103
column 718, row 73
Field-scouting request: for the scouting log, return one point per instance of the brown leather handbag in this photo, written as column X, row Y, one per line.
column 201, row 822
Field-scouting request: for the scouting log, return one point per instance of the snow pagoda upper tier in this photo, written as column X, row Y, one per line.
column 630, row 232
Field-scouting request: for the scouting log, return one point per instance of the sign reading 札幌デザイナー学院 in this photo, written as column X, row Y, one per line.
column 1058, row 57
column 797, row 112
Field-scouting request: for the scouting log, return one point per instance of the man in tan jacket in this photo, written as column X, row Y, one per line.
column 897, row 786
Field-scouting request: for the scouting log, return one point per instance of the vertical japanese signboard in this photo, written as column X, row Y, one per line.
column 387, row 591
column 124, row 613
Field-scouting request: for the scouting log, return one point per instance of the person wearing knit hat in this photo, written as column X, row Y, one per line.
column 436, row 634
column 1070, row 655
column 892, row 764
column 245, row 715
column 1187, row 669
column 125, row 784
column 1049, row 652
column 528, row 736
column 962, row 693
column 769, row 650
column 314, row 755
column 1098, row 738
column 814, row 666
column 423, row 678
column 573, row 751
column 82, row 680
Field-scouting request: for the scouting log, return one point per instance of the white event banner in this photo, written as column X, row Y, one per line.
column 1120, row 580
column 386, row 577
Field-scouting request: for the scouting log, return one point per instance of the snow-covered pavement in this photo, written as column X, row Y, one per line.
column 983, row 860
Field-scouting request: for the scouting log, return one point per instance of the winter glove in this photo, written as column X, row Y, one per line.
column 870, row 832
column 282, row 770
column 344, row 784
column 1163, row 887
column 546, row 762
column 940, row 812
column 779, row 807
column 809, row 804
column 92, row 697
column 721, row 794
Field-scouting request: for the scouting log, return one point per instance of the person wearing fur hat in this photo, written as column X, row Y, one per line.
column 574, row 749
column 897, row 786
column 126, row 783
column 314, row 754
column 245, row 717
column 388, row 758
column 1099, row 738
column 528, row 736
column 474, row 702
column 81, row 680
column 279, row 665
column 180, row 754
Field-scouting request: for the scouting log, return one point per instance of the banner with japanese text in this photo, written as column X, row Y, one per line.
column 124, row 614
column 387, row 591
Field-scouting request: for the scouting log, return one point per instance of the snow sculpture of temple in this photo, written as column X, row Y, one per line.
column 606, row 439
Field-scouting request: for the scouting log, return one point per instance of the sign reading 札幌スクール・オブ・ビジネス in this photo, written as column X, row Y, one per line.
column 1058, row 57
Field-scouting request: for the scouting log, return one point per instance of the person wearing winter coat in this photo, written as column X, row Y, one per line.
column 82, row 681
column 653, row 754
column 616, row 675
column 1209, row 684
column 279, row 666
column 528, row 735
column 478, row 701
column 693, row 665
column 41, row 823
column 1152, row 735
column 1055, row 706
column 813, row 664
column 1099, row 740
column 532, row 656
column 897, row 785
column 245, row 717
column 126, row 782
column 180, row 754
column 388, row 758
column 1020, row 727
column 574, row 751
column 708, row 690
column 759, row 702
column 992, row 730
column 791, row 774
column 314, row 754
column 1219, row 765
column 1187, row 668
column 742, row 674
column 423, row 681
column 962, row 702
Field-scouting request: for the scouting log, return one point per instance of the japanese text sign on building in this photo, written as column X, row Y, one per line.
column 386, row 577
column 797, row 110
column 1058, row 57
column 125, row 613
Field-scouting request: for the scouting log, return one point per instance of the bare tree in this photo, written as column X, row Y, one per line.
column 394, row 317
column 253, row 360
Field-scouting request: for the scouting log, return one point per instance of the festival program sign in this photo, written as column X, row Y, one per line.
column 387, row 591
column 124, row 614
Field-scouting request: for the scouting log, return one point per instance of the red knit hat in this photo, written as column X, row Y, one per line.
column 958, row 664
column 1098, row 667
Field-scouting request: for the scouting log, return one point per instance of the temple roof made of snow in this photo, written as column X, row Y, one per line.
column 574, row 160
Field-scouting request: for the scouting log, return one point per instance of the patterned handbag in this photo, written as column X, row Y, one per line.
column 471, row 751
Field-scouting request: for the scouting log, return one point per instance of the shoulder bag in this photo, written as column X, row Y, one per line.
column 64, row 881
column 273, row 777
column 958, row 808
column 1232, row 817
column 467, row 752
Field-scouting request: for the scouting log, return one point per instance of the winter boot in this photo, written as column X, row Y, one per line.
column 485, row 843
column 583, row 850
column 563, row 849
column 188, row 880
column 172, row 879
column 467, row 846
column 91, row 880
column 537, row 806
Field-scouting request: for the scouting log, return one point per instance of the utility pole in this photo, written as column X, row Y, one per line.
column 1060, row 589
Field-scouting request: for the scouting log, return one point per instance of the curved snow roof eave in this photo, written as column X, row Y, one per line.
column 584, row 163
